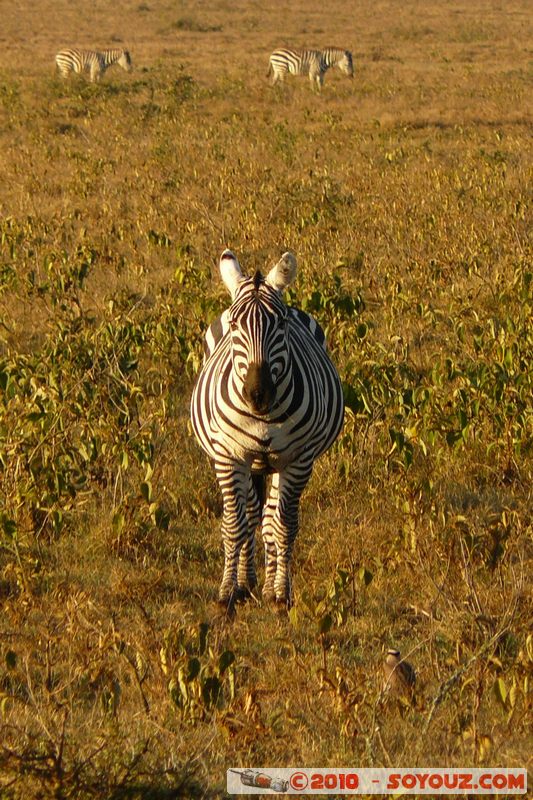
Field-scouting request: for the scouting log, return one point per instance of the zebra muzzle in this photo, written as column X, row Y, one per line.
column 259, row 391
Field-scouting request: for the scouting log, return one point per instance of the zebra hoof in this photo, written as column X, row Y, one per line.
column 283, row 605
column 224, row 609
column 243, row 593
column 279, row 606
column 269, row 596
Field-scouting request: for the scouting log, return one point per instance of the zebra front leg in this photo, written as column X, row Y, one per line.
column 283, row 526
column 233, row 480
column 317, row 81
column 246, row 574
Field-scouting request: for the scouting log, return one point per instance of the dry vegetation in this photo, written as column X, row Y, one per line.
column 406, row 196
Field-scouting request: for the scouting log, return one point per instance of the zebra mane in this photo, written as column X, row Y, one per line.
column 258, row 280
column 332, row 55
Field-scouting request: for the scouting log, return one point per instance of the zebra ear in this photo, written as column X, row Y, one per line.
column 230, row 271
column 283, row 273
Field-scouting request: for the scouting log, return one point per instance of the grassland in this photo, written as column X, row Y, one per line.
column 406, row 195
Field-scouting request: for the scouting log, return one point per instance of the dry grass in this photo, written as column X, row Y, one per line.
column 406, row 196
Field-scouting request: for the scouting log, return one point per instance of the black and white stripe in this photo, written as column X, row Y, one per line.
column 268, row 401
column 95, row 62
column 296, row 62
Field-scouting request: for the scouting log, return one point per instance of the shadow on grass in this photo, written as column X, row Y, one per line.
column 186, row 790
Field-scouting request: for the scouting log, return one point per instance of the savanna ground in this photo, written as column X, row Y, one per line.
column 405, row 194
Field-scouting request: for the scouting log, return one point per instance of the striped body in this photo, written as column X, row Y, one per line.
column 268, row 400
column 92, row 61
column 296, row 62
column 314, row 63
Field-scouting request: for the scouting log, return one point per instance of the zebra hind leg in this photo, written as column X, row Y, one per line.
column 267, row 532
column 277, row 75
column 271, row 556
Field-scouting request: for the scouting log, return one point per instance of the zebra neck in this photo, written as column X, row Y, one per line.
column 332, row 57
column 110, row 56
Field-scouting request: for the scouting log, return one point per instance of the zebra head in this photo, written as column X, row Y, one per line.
column 346, row 64
column 125, row 61
column 337, row 57
column 258, row 321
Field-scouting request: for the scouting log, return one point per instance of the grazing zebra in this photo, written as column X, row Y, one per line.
column 314, row 63
column 92, row 61
column 296, row 62
column 268, row 401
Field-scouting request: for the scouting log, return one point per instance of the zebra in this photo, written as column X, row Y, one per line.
column 267, row 401
column 296, row 62
column 314, row 63
column 92, row 61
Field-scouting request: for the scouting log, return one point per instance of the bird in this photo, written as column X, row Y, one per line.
column 399, row 675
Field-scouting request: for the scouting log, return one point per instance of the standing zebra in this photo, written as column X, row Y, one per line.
column 268, row 400
column 314, row 63
column 92, row 61
column 296, row 62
